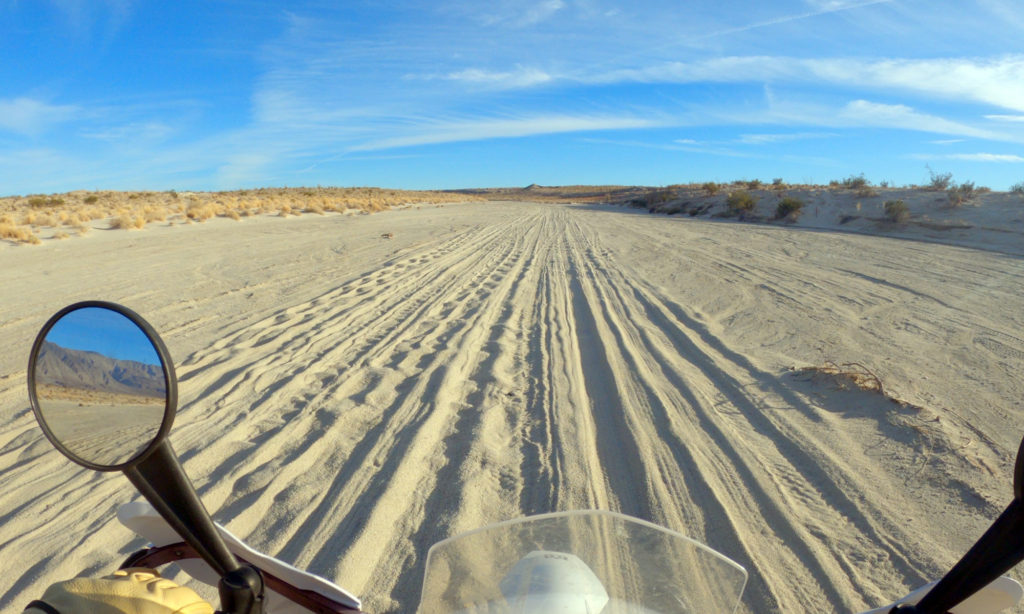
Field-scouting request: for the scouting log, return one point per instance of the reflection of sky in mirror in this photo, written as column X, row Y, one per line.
column 107, row 332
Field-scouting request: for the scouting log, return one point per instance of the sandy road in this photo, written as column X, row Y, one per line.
column 541, row 358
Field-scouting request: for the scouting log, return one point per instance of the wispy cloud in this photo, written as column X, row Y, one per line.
column 764, row 139
column 867, row 113
column 972, row 157
column 998, row 81
column 517, row 78
column 820, row 7
column 474, row 130
column 30, row 117
column 1006, row 118
column 947, row 141
column 136, row 131
column 987, row 157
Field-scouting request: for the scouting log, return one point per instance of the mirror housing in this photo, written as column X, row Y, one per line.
column 102, row 385
column 87, row 379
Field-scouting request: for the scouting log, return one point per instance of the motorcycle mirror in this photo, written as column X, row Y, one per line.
column 101, row 385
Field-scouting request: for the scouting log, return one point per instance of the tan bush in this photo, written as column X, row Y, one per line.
column 128, row 221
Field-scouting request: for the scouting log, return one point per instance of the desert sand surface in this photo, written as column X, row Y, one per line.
column 348, row 399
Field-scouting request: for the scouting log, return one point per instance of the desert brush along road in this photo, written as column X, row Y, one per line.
column 347, row 399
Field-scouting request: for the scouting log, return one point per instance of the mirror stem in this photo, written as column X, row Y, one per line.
column 162, row 481
column 999, row 549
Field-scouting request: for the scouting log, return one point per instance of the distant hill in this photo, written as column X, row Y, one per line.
column 59, row 366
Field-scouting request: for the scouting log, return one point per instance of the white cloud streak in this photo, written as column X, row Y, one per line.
column 764, row 139
column 998, row 81
column 475, row 130
column 30, row 117
column 973, row 157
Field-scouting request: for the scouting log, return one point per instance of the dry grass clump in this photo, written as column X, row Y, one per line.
column 850, row 375
column 128, row 221
column 13, row 232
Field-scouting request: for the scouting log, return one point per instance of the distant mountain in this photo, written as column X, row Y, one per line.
column 59, row 366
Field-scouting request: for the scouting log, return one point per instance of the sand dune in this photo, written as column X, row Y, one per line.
column 348, row 400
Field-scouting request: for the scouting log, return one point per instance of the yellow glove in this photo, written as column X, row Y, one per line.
column 126, row 591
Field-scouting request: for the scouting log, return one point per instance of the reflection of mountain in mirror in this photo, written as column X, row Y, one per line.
column 66, row 372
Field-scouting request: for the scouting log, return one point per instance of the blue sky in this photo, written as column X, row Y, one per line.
column 120, row 94
column 106, row 332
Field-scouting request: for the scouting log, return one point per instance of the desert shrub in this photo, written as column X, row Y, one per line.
column 961, row 194
column 754, row 184
column 200, row 212
column 1017, row 188
column 855, row 182
column 46, row 219
column 155, row 214
column 90, row 199
column 13, row 232
column 939, row 181
column 740, row 202
column 128, row 221
column 712, row 188
column 896, row 211
column 789, row 209
column 60, row 234
column 657, row 197
column 38, row 202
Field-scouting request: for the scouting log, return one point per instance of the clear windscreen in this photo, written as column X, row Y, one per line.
column 588, row 562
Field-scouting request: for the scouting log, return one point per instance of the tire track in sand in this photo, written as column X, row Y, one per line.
column 511, row 370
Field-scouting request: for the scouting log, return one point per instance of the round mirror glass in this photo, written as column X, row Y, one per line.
column 100, row 386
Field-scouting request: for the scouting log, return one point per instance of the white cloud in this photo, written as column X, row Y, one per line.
column 864, row 112
column 32, row 117
column 541, row 11
column 138, row 131
column 475, row 130
column 763, row 139
column 516, row 13
column 972, row 157
column 1006, row 118
column 947, row 141
column 998, row 81
column 987, row 157
column 520, row 77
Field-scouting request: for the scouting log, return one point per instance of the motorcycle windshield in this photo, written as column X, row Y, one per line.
column 586, row 562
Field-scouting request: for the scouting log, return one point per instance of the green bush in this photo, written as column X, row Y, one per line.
column 740, row 202
column 939, row 181
column 754, row 184
column 896, row 211
column 961, row 194
column 90, row 199
column 711, row 188
column 1017, row 188
column 789, row 209
column 39, row 202
column 855, row 182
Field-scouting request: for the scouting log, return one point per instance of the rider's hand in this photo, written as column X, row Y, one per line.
column 128, row 591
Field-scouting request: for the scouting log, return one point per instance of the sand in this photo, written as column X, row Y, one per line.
column 347, row 399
